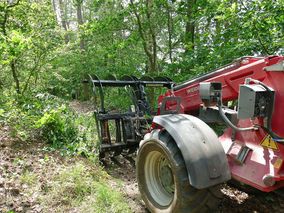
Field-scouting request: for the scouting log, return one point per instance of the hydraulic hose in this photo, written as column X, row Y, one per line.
column 229, row 123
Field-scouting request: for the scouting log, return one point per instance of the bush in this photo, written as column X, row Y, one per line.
column 57, row 127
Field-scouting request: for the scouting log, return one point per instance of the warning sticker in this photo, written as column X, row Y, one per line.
column 278, row 163
column 269, row 143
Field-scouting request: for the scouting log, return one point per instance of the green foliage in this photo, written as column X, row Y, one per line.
column 109, row 200
column 44, row 53
column 57, row 127
column 21, row 112
column 45, row 115
column 28, row 34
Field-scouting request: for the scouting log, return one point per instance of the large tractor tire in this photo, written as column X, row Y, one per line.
column 163, row 179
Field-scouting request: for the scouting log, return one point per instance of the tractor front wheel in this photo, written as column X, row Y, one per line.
column 163, row 179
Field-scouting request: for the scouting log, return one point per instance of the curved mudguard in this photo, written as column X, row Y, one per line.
column 204, row 156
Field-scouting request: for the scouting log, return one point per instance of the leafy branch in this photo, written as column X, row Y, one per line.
column 3, row 23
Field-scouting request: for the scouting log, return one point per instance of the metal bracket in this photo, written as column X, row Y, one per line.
column 163, row 110
column 242, row 154
column 279, row 67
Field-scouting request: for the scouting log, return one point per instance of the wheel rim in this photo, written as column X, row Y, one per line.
column 159, row 178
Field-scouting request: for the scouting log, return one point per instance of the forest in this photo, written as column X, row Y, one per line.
column 48, row 152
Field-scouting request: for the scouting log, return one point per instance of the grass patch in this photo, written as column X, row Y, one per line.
column 28, row 178
column 80, row 187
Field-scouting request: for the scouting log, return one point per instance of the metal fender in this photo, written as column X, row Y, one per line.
column 204, row 156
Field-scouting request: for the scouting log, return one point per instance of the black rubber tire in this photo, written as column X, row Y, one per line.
column 157, row 198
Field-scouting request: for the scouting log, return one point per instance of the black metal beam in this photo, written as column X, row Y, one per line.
column 119, row 83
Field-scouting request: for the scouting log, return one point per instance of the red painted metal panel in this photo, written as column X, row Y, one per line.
column 259, row 162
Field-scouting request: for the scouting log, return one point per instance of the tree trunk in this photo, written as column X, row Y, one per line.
column 169, row 24
column 63, row 19
column 190, row 27
column 80, row 22
column 54, row 8
column 13, row 62
column 149, row 46
column 153, row 41
column 14, row 73
column 82, row 46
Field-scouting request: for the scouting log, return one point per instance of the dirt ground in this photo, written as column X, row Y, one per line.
column 18, row 157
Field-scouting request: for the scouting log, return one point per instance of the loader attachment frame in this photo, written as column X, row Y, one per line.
column 130, row 126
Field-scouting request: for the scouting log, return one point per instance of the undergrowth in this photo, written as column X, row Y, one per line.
column 49, row 117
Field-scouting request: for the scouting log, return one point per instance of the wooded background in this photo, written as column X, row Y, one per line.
column 52, row 44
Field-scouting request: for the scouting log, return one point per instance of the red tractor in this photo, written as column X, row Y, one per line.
column 181, row 160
